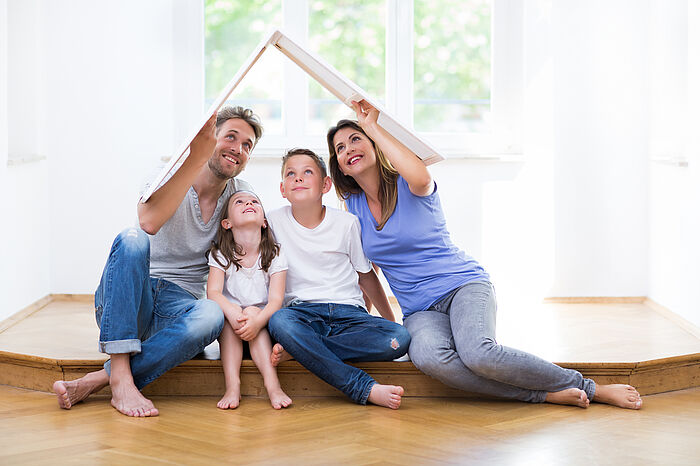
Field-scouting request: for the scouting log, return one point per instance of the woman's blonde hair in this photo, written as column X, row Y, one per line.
column 346, row 185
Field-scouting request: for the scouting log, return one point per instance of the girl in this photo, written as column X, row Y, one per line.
column 247, row 272
column 446, row 296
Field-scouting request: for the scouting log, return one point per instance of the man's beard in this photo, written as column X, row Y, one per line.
column 216, row 170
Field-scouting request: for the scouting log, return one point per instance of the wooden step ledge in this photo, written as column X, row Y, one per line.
column 204, row 377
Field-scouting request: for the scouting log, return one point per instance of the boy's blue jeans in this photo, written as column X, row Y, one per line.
column 160, row 324
column 323, row 335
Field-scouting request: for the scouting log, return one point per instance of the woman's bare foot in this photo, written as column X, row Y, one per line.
column 622, row 396
column 279, row 355
column 388, row 396
column 231, row 399
column 128, row 400
column 278, row 399
column 75, row 391
column 570, row 396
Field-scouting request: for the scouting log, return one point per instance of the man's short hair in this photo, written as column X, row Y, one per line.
column 317, row 160
column 245, row 114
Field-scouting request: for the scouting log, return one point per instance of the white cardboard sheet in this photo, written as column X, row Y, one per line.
column 337, row 84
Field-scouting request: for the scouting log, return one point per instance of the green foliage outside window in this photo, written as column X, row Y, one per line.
column 452, row 56
column 452, row 64
column 232, row 30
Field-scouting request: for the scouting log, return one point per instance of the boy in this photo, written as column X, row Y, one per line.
column 325, row 322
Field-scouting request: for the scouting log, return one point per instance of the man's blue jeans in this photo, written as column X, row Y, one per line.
column 323, row 335
column 160, row 324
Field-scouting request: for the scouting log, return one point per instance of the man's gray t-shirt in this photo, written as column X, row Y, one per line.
column 178, row 249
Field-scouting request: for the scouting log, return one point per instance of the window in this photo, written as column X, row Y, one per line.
column 450, row 69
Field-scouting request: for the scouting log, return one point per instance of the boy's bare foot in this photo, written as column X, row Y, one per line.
column 278, row 399
column 570, row 396
column 75, row 391
column 388, row 396
column 128, row 400
column 279, row 355
column 231, row 399
column 622, row 396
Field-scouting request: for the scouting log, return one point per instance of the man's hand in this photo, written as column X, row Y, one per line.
column 204, row 143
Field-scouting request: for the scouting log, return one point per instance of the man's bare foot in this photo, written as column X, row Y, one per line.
column 570, row 396
column 128, row 400
column 622, row 396
column 279, row 355
column 231, row 399
column 75, row 391
column 278, row 399
column 388, row 396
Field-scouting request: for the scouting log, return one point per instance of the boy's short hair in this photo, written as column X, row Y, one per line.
column 317, row 160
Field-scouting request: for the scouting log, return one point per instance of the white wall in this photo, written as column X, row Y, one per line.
column 93, row 89
column 26, row 217
column 601, row 148
column 675, row 188
column 112, row 105
column 4, row 214
column 118, row 86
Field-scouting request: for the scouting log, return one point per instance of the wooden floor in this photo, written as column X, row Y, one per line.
column 191, row 430
column 57, row 338
column 623, row 342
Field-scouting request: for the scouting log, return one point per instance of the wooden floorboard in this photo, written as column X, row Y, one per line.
column 328, row 430
column 625, row 341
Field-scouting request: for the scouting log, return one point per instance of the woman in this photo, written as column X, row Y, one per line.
column 447, row 298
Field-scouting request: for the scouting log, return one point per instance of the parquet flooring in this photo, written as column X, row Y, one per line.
column 191, row 430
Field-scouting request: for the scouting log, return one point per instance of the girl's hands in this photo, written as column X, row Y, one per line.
column 250, row 326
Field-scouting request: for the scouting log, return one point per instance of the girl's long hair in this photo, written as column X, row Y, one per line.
column 346, row 185
column 225, row 243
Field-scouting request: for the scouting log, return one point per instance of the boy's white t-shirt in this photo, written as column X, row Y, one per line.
column 323, row 261
column 248, row 286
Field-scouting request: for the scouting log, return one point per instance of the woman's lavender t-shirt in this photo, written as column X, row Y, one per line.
column 414, row 249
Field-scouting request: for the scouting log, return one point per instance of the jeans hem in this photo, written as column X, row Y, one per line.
column 131, row 346
column 365, row 393
column 590, row 388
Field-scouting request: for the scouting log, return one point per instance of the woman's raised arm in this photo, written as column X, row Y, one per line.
column 408, row 164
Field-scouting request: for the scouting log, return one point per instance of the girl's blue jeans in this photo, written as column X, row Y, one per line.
column 323, row 335
column 454, row 341
column 160, row 324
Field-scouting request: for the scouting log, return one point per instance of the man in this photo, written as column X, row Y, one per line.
column 148, row 304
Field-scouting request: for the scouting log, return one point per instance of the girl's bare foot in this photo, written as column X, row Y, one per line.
column 570, row 396
column 231, row 399
column 622, row 396
column 388, row 396
column 75, row 391
column 278, row 399
column 128, row 400
column 279, row 355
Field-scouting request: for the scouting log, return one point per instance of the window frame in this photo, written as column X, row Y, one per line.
column 502, row 141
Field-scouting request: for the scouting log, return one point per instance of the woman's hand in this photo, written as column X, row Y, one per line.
column 366, row 114
column 408, row 164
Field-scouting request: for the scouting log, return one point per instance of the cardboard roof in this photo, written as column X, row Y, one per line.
column 330, row 78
